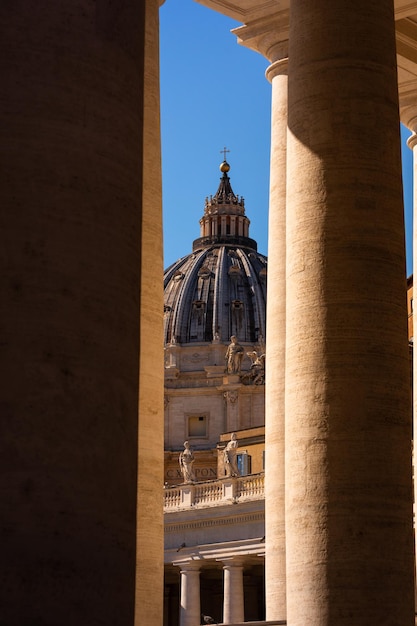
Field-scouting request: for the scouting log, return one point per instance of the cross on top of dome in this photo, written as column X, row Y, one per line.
column 224, row 194
column 224, row 153
column 224, row 167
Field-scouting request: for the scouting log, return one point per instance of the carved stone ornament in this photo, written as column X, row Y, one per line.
column 231, row 396
column 197, row 357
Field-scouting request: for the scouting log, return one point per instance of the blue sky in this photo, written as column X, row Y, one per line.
column 214, row 94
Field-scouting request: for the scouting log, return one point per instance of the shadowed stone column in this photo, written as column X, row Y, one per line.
column 71, row 219
column 233, row 600
column 190, row 594
column 348, row 434
column 150, row 531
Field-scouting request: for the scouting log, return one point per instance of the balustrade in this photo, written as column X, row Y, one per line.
column 214, row 492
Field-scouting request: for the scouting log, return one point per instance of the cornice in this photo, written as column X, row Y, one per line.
column 245, row 10
column 404, row 8
column 406, row 38
column 214, row 522
column 232, row 550
column 267, row 35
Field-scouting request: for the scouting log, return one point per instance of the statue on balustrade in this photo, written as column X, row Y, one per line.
column 186, row 461
column 230, row 457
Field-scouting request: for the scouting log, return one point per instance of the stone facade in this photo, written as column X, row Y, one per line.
column 216, row 292
column 79, row 160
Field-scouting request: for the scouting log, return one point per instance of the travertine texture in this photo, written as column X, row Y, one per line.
column 150, row 568
column 275, row 597
column 412, row 144
column 348, row 478
column 233, row 603
column 71, row 170
column 190, row 594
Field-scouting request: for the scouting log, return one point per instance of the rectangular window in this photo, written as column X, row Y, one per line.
column 244, row 463
column 197, row 426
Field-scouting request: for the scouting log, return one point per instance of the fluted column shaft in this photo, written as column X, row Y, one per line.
column 233, row 599
column 71, row 218
column 150, row 531
column 190, row 610
column 275, row 333
column 348, row 461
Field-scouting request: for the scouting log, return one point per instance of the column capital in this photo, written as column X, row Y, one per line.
column 276, row 68
column 231, row 396
column 188, row 566
column 412, row 141
column 266, row 35
column 408, row 107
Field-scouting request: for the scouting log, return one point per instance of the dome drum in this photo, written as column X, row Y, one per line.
column 242, row 242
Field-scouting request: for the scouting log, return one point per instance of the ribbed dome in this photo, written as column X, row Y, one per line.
column 219, row 289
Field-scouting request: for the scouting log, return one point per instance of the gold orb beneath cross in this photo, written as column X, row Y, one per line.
column 224, row 167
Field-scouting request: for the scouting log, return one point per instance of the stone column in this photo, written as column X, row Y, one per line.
column 233, row 599
column 270, row 38
column 409, row 118
column 71, row 218
column 150, row 527
column 275, row 598
column 412, row 144
column 348, row 430
column 190, row 610
column 167, row 597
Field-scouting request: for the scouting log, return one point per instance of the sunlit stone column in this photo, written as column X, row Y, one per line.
column 348, row 431
column 270, row 38
column 275, row 596
column 190, row 594
column 412, row 144
column 150, row 533
column 71, row 108
column 409, row 118
column 233, row 599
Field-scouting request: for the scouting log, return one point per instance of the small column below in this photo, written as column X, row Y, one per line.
column 190, row 594
column 233, row 603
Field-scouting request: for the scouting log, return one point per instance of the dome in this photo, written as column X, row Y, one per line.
column 219, row 289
